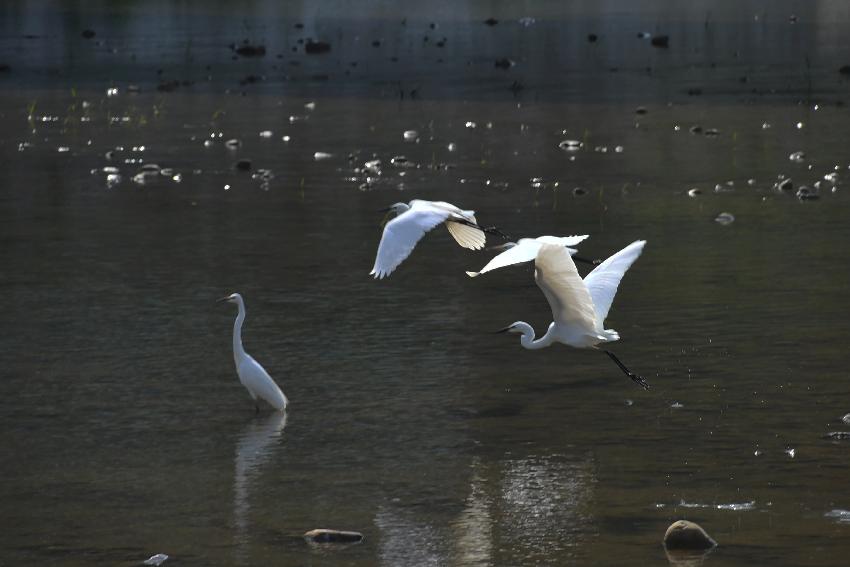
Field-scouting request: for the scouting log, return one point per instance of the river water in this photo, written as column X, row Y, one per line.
column 125, row 430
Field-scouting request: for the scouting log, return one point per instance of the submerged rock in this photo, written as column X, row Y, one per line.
column 316, row 47
column 333, row 536
column 157, row 559
column 837, row 435
column 725, row 218
column 683, row 534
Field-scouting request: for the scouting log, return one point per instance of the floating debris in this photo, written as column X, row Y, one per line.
column 63, row 149
column 725, row 218
column 155, row 560
column 837, row 435
column 470, row 124
column 790, row 452
column 570, row 145
column 410, row 135
column 807, row 194
column 401, row 161
column 322, row 155
column 373, row 166
column 842, row 516
column 797, row 157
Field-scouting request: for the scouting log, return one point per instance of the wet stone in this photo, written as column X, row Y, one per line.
column 316, row 47
column 333, row 536
column 807, row 194
column 683, row 534
column 661, row 41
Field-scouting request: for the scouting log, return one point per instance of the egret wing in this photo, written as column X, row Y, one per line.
column 603, row 281
column 258, row 382
column 467, row 236
column 525, row 251
column 401, row 235
column 562, row 240
column 556, row 275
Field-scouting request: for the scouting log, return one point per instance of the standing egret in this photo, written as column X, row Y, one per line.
column 579, row 307
column 253, row 376
column 526, row 249
column 415, row 219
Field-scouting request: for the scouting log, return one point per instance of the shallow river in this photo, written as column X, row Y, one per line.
column 126, row 432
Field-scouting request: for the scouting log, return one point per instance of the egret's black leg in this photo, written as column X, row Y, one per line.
column 629, row 373
column 494, row 230
column 586, row 261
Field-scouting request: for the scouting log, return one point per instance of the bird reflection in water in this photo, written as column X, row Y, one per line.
column 517, row 511
column 253, row 450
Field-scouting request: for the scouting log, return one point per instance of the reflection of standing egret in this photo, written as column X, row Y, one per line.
column 253, row 376
column 253, row 449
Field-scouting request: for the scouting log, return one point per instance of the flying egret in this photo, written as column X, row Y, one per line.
column 579, row 307
column 415, row 219
column 525, row 250
column 253, row 376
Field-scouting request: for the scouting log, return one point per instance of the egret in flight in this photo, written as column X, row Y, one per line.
column 416, row 218
column 253, row 376
column 579, row 307
column 526, row 249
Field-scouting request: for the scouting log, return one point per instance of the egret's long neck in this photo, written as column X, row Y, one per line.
column 238, row 351
column 527, row 339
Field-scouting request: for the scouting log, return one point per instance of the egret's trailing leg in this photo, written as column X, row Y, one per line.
column 639, row 379
column 586, row 261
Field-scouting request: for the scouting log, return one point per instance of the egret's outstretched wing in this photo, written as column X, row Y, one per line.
column 556, row 275
column 562, row 240
column 401, row 235
column 467, row 236
column 602, row 282
column 525, row 250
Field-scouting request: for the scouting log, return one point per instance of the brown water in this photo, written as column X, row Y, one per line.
column 126, row 432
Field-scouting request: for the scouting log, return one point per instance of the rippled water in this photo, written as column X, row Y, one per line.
column 126, row 432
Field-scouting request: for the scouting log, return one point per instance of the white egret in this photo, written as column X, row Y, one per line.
column 525, row 250
column 579, row 307
column 415, row 219
column 253, row 376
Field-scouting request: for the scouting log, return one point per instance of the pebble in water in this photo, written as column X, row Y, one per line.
column 266, row 134
column 232, row 144
column 797, row 157
column 112, row 180
column 842, row 516
column 784, row 185
column 790, row 452
column 373, row 166
column 694, row 192
column 410, row 135
column 724, row 187
column 837, row 435
column 807, row 194
column 452, row 147
column 846, row 419
column 318, row 156
column 725, row 218
column 470, row 124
